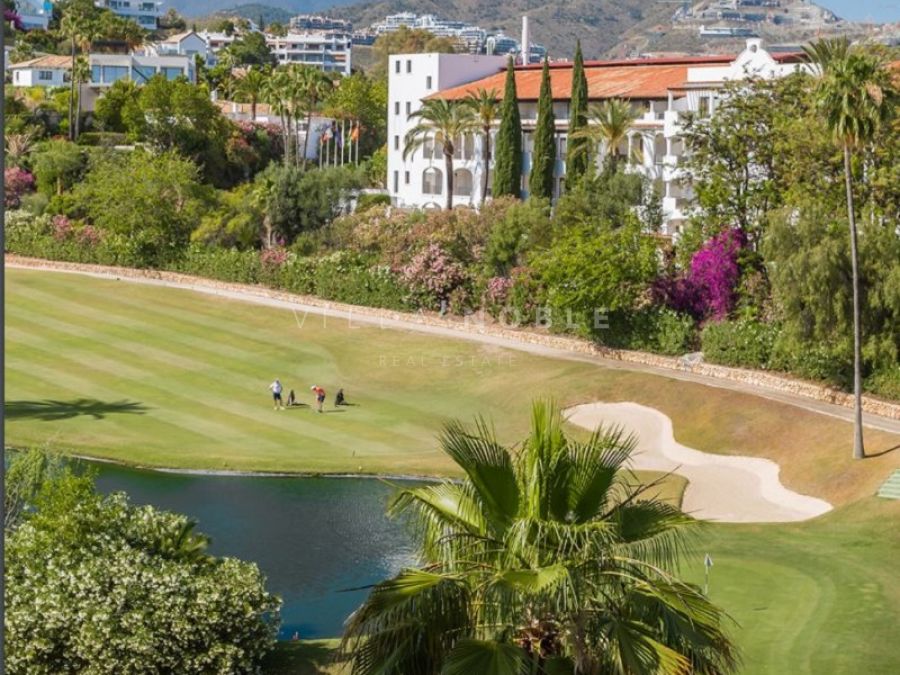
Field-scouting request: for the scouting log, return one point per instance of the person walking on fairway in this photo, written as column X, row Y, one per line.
column 276, row 393
column 320, row 397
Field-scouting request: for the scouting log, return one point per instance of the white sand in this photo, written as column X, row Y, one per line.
column 722, row 488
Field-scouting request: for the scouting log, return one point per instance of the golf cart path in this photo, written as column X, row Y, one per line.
column 723, row 488
column 367, row 316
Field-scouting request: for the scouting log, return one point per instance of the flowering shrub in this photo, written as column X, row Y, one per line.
column 95, row 584
column 273, row 257
column 62, row 227
column 709, row 289
column 89, row 236
column 496, row 294
column 18, row 182
column 432, row 274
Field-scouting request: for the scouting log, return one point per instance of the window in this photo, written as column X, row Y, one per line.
column 704, row 106
column 408, row 65
column 144, row 73
column 396, row 181
column 428, row 147
column 397, row 66
column 95, row 74
column 428, row 82
column 172, row 73
column 408, row 108
column 406, row 177
column 45, row 75
column 396, row 142
column 462, row 183
column 397, row 108
column 432, row 181
column 114, row 74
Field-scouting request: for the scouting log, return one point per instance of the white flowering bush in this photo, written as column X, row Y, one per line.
column 97, row 585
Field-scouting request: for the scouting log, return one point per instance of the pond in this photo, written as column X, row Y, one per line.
column 314, row 538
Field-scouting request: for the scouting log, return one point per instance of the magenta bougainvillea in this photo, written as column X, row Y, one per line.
column 432, row 272
column 18, row 182
column 708, row 290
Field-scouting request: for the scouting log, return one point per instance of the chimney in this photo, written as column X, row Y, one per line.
column 526, row 42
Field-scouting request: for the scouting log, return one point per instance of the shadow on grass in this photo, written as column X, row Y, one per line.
column 870, row 455
column 52, row 410
column 313, row 657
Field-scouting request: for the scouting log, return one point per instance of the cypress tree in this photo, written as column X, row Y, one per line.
column 543, row 158
column 577, row 155
column 508, row 148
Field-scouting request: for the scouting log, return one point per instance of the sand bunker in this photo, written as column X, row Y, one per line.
column 722, row 488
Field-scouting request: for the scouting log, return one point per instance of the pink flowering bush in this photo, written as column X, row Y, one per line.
column 18, row 182
column 89, row 236
column 433, row 274
column 62, row 227
column 273, row 257
column 709, row 289
column 496, row 294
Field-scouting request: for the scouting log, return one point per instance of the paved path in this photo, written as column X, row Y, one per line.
column 255, row 295
column 724, row 488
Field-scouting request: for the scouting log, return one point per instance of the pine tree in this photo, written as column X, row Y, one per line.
column 578, row 152
column 543, row 157
column 508, row 150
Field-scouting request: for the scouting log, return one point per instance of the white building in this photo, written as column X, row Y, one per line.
column 109, row 68
column 188, row 43
column 660, row 89
column 145, row 13
column 327, row 50
column 35, row 14
column 43, row 71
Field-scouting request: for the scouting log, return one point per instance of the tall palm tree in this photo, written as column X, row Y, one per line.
column 251, row 86
column 316, row 85
column 545, row 558
column 444, row 121
column 856, row 98
column 276, row 94
column 608, row 125
column 74, row 26
column 486, row 106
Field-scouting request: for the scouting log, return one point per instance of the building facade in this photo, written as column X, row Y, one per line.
column 327, row 50
column 43, row 71
column 145, row 13
column 418, row 180
column 660, row 90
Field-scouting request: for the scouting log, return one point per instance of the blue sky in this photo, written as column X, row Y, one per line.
column 858, row 10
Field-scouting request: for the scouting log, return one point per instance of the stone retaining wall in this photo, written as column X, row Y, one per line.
column 756, row 378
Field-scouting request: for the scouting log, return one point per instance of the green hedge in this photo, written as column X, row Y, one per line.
column 743, row 343
column 661, row 331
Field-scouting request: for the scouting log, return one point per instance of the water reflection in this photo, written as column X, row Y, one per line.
column 312, row 537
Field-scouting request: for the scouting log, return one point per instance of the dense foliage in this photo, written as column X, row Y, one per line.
column 95, row 584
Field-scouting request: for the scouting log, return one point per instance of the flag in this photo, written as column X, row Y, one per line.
column 354, row 133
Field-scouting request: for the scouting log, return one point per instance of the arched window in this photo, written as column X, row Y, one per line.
column 432, row 181
column 462, row 183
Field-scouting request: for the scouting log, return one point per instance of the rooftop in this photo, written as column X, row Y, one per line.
column 631, row 78
column 47, row 61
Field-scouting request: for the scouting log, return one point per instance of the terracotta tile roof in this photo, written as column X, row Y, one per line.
column 47, row 61
column 636, row 78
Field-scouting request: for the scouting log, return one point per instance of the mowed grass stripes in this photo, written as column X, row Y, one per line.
column 189, row 374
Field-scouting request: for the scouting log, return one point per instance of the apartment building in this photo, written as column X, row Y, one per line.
column 327, row 50
column 660, row 89
column 145, row 13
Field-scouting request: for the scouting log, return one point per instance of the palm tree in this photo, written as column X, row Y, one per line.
column 608, row 125
column 74, row 26
column 315, row 84
column 276, row 94
column 543, row 558
column 855, row 95
column 444, row 121
column 486, row 107
column 251, row 87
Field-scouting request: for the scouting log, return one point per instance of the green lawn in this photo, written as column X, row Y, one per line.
column 174, row 378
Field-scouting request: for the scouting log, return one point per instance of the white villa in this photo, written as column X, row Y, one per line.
column 43, row 71
column 660, row 89
column 188, row 43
